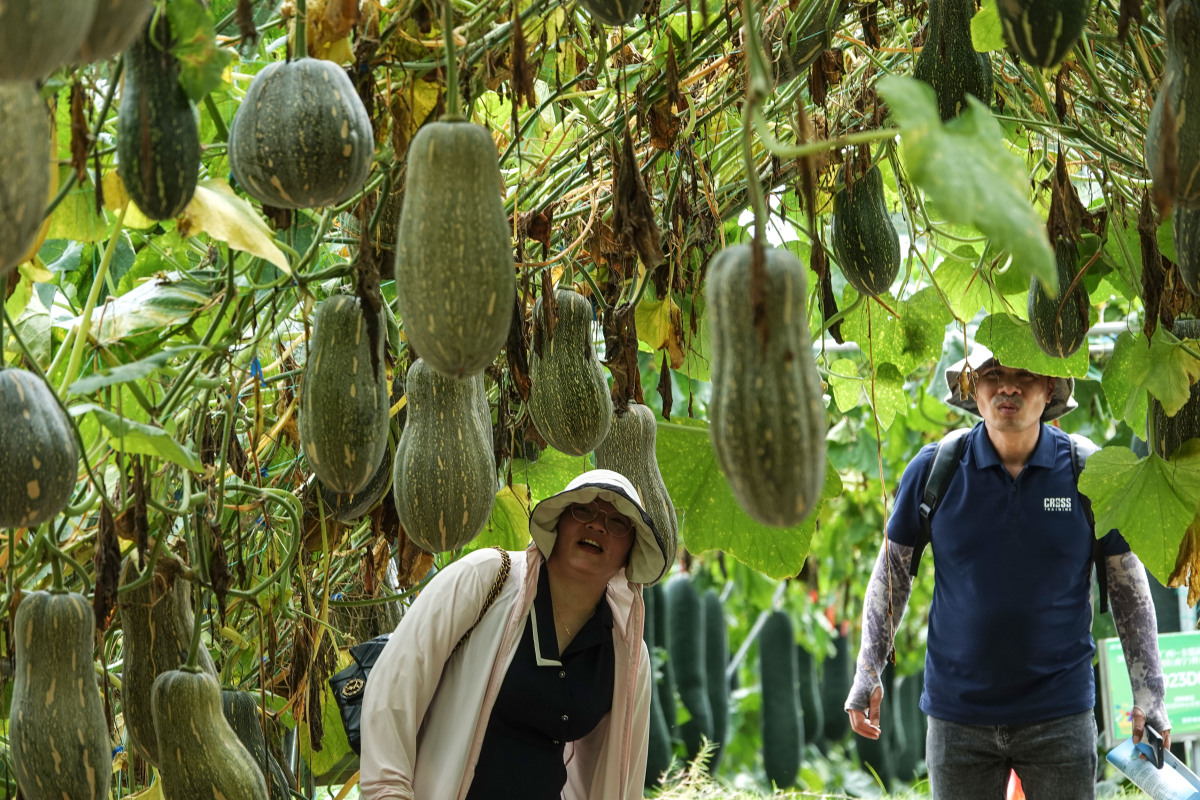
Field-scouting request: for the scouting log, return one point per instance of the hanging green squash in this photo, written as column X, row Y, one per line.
column 949, row 62
column 1043, row 32
column 24, row 177
column 37, row 36
column 41, row 461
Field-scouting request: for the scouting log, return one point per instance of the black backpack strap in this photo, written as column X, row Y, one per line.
column 945, row 462
column 1081, row 448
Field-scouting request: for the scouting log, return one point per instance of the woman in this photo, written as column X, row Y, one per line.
column 550, row 695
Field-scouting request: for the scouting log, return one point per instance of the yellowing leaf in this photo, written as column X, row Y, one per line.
column 220, row 213
column 411, row 106
column 76, row 217
column 660, row 325
column 845, row 383
column 115, row 198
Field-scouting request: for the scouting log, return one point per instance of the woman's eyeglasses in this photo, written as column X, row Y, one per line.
column 616, row 524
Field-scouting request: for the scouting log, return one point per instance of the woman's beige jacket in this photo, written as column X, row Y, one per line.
column 425, row 714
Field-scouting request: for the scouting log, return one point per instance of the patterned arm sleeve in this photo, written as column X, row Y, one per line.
column 1133, row 614
column 887, row 597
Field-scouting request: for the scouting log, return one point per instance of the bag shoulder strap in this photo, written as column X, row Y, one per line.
column 945, row 462
column 1081, row 448
column 493, row 593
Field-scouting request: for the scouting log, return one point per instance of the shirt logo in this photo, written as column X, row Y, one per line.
column 1056, row 504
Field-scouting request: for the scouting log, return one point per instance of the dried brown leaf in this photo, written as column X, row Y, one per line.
column 664, row 388
column 633, row 217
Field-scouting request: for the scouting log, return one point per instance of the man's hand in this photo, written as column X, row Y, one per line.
column 868, row 724
column 1139, row 728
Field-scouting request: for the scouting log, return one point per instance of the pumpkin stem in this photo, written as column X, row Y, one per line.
column 453, row 109
column 193, row 660
column 55, row 564
column 300, row 33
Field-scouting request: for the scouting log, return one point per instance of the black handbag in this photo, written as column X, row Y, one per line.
column 350, row 684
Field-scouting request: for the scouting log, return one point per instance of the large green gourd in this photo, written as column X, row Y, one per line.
column 57, row 734
column 1180, row 93
column 782, row 723
column 347, row 508
column 613, row 12
column 24, row 176
column 569, row 399
column 116, row 24
column 201, row 758
column 630, row 450
column 662, row 639
column 949, row 62
column 837, row 675
column 766, row 415
column 1168, row 433
column 810, row 695
column 445, row 473
column 156, row 632
column 1060, row 324
column 455, row 279
column 344, row 399
column 864, row 239
column 716, row 660
column 301, row 137
column 1043, row 31
column 36, row 36
column 906, row 715
column 158, row 141
column 38, row 471
column 242, row 714
column 658, row 748
column 687, row 653
column 1185, row 229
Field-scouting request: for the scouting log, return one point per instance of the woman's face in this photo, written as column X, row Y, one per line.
column 591, row 548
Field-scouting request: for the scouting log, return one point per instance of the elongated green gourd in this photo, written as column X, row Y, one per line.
column 455, row 279
column 716, row 659
column 766, row 414
column 569, row 400
column 156, row 632
column 444, row 482
column 1167, row 434
column 629, row 448
column 158, row 140
column 876, row 754
column 1185, row 229
column 782, row 725
column 242, row 714
column 906, row 713
column 41, row 461
column 1060, row 324
column 301, row 137
column 36, row 36
column 1178, row 97
column 837, row 674
column 24, row 176
column 658, row 749
column 344, row 399
column 864, row 239
column 687, row 649
column 810, row 695
column 662, row 639
column 57, row 734
column 1043, row 31
column 949, row 62
column 201, row 758
column 613, row 12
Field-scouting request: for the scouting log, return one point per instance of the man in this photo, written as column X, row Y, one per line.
column 1008, row 675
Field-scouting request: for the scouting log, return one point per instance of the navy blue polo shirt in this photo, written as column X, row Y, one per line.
column 1010, row 626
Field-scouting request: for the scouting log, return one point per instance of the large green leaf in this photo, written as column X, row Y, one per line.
column 1149, row 500
column 845, row 383
column 709, row 516
column 195, row 45
column 986, row 32
column 967, row 169
column 886, row 394
column 127, row 373
column 129, row 436
column 1124, row 392
column 1165, row 369
column 908, row 340
column 1011, row 340
column 508, row 526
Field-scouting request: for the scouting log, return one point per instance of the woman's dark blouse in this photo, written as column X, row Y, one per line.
column 542, row 706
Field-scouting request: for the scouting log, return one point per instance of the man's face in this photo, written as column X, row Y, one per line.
column 1011, row 400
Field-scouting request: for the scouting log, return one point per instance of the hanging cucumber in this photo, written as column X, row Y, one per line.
column 782, row 723
column 716, row 660
column 686, row 637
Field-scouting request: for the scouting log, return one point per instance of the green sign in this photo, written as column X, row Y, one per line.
column 1180, row 654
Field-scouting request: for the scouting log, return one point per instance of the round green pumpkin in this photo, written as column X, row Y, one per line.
column 301, row 137
column 24, row 178
column 36, row 36
column 39, row 460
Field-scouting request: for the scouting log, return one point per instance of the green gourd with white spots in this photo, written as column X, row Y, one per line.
column 766, row 414
column 1043, row 31
column 24, row 176
column 569, row 400
column 200, row 756
column 864, row 239
column 301, row 137
column 344, row 399
column 949, row 62
column 444, row 482
column 455, row 280
column 40, row 457
column 57, row 734
column 116, row 24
